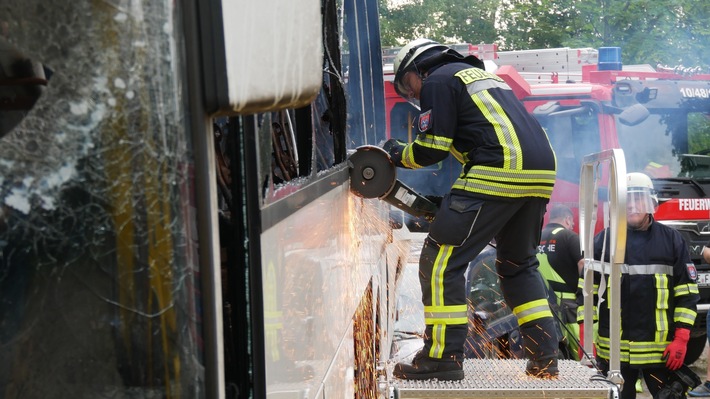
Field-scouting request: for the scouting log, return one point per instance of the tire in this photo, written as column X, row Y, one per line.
column 696, row 346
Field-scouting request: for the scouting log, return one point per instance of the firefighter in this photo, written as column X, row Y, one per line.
column 658, row 294
column 561, row 264
column 506, row 181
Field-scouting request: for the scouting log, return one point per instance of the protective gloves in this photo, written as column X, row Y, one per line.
column 393, row 147
column 675, row 352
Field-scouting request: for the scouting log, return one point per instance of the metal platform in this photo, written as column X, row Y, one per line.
column 506, row 378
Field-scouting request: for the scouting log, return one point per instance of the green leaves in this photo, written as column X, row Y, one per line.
column 650, row 32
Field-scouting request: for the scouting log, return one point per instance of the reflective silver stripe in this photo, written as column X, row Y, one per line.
column 436, row 142
column 512, row 175
column 445, row 315
column 685, row 289
column 503, row 126
column 481, row 85
column 532, row 313
column 684, row 315
column 437, row 274
column 633, row 269
column 408, row 157
column 662, row 297
column 438, row 341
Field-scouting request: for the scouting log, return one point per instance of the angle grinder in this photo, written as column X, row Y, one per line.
column 374, row 175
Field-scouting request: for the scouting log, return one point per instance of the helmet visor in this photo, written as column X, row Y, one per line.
column 405, row 91
column 640, row 200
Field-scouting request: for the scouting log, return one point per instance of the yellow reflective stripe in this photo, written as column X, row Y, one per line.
column 566, row 295
column 546, row 270
column 604, row 353
column 408, row 157
column 557, row 230
column 436, row 142
column 685, row 289
column 445, row 320
column 634, row 352
column 513, row 175
column 438, row 339
column 437, row 274
column 661, row 324
column 662, row 297
column 454, row 314
column 646, row 346
column 580, row 285
column 507, row 137
column 272, row 319
column 511, row 190
column 532, row 310
column 684, row 315
column 507, row 182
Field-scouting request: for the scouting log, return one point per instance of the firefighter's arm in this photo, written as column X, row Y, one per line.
column 685, row 294
column 435, row 127
column 417, row 154
column 686, row 297
column 685, row 288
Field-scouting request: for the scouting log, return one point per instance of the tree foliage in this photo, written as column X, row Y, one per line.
column 441, row 20
column 667, row 32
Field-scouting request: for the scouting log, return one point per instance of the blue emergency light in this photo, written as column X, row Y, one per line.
column 609, row 59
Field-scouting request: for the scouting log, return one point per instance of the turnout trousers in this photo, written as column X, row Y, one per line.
column 463, row 226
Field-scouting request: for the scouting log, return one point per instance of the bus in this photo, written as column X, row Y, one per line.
column 175, row 212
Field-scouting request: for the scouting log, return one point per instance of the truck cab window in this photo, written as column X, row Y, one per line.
column 573, row 134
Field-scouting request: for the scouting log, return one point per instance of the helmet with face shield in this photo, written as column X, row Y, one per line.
column 641, row 197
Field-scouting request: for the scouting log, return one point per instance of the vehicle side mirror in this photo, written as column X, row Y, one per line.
column 633, row 115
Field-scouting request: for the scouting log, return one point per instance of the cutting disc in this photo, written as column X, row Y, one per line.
column 372, row 173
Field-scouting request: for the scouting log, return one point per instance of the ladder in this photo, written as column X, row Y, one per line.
column 506, row 378
column 549, row 65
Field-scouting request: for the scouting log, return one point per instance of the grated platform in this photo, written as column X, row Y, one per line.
column 506, row 378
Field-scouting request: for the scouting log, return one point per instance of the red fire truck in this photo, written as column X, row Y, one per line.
column 588, row 102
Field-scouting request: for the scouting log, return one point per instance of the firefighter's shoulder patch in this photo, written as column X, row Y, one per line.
column 692, row 271
column 425, row 121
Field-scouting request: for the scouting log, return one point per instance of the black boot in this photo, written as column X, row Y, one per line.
column 424, row 368
column 542, row 368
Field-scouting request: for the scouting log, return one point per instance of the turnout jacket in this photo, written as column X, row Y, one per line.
column 475, row 116
column 658, row 294
column 562, row 248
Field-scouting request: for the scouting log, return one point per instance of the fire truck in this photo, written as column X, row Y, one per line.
column 588, row 101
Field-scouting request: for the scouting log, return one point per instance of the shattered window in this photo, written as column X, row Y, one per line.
column 99, row 289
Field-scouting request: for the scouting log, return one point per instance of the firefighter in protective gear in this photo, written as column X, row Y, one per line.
column 561, row 263
column 506, row 181
column 658, row 294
